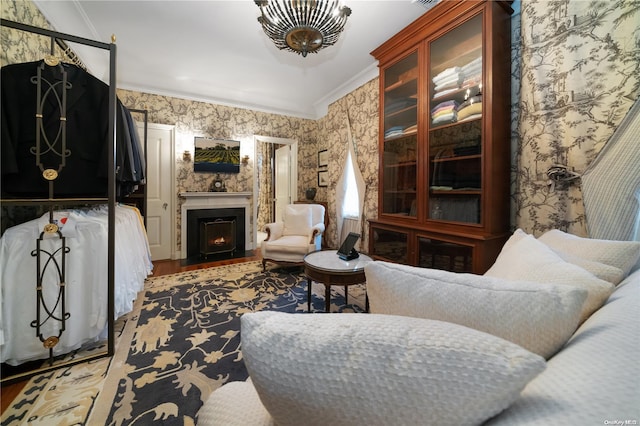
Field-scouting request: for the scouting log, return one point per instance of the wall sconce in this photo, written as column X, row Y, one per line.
column 186, row 156
column 245, row 160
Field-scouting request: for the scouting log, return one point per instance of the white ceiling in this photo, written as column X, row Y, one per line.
column 216, row 51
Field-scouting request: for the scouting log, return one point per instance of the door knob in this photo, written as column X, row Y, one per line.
column 164, row 206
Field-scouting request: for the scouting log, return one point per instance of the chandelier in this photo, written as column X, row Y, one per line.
column 302, row 26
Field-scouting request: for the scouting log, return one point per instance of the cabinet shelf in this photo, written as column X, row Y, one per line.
column 399, row 191
column 456, row 192
column 454, row 123
column 457, row 158
column 404, row 135
column 402, row 88
column 457, row 94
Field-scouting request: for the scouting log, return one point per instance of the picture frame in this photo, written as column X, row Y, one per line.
column 216, row 155
column 323, row 178
column 323, row 158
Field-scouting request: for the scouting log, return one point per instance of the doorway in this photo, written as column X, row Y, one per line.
column 275, row 179
column 160, row 211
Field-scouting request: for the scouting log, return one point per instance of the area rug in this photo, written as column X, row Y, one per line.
column 181, row 342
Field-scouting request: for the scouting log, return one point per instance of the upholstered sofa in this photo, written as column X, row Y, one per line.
column 550, row 335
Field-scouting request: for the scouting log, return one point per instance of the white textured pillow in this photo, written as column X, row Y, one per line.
column 540, row 318
column 619, row 254
column 531, row 260
column 234, row 404
column 296, row 221
column 357, row 369
column 593, row 264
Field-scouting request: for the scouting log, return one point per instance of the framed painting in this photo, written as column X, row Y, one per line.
column 323, row 178
column 323, row 158
column 216, row 155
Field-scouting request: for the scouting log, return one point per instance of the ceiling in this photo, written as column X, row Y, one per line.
column 215, row 51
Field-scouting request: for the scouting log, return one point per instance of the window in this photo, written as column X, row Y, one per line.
column 351, row 201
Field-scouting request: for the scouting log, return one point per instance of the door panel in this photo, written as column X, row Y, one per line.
column 282, row 180
column 158, row 189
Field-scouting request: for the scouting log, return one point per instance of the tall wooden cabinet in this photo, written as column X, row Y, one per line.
column 444, row 159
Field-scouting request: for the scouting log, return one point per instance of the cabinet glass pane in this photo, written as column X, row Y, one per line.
column 455, row 125
column 436, row 254
column 390, row 245
column 400, row 137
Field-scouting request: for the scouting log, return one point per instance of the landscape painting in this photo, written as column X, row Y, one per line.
column 216, row 155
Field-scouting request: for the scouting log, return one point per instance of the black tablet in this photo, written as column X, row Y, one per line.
column 346, row 250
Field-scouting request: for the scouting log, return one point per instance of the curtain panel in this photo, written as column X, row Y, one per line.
column 579, row 72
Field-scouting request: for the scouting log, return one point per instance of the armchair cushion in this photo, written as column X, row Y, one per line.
column 355, row 369
column 296, row 221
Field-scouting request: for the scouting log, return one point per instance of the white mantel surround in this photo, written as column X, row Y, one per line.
column 215, row 200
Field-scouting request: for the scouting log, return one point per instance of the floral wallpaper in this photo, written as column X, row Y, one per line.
column 361, row 108
column 579, row 71
column 192, row 119
column 575, row 73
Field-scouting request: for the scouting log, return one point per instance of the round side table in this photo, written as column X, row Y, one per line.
column 324, row 266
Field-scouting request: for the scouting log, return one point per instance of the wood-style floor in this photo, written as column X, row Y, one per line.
column 162, row 267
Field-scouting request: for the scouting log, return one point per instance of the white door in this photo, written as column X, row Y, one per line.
column 159, row 188
column 282, row 180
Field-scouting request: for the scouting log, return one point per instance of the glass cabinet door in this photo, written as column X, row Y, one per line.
column 436, row 254
column 455, row 124
column 389, row 245
column 399, row 166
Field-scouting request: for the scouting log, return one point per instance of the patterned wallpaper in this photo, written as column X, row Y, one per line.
column 579, row 65
column 193, row 119
column 361, row 108
column 575, row 74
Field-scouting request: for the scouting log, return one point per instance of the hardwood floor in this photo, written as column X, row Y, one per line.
column 8, row 392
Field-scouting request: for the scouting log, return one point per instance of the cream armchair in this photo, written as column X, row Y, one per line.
column 298, row 233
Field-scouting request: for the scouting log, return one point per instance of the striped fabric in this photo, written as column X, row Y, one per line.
column 611, row 184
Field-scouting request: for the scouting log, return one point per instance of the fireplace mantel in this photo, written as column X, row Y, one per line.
column 214, row 200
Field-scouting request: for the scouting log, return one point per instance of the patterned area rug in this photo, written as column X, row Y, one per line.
column 180, row 343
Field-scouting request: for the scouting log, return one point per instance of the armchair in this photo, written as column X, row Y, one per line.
column 298, row 233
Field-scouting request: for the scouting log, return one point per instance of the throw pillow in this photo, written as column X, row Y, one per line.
column 531, row 260
column 297, row 221
column 540, row 318
column 619, row 254
column 594, row 265
column 357, row 369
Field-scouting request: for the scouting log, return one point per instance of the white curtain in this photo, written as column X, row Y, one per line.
column 350, row 219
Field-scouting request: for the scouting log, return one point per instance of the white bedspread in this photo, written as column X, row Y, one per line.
column 86, row 280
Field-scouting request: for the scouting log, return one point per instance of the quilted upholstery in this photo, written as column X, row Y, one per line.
column 619, row 254
column 531, row 260
column 538, row 317
column 356, row 369
column 594, row 379
column 222, row 407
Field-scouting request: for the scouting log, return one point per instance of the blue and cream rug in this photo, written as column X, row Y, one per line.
column 181, row 342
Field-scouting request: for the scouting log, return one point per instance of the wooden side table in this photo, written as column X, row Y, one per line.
column 324, row 266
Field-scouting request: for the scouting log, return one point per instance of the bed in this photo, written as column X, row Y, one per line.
column 86, row 283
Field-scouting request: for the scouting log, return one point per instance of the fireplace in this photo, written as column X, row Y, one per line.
column 217, row 236
column 209, row 206
column 215, row 231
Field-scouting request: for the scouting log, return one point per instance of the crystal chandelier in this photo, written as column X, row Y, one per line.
column 302, row 26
